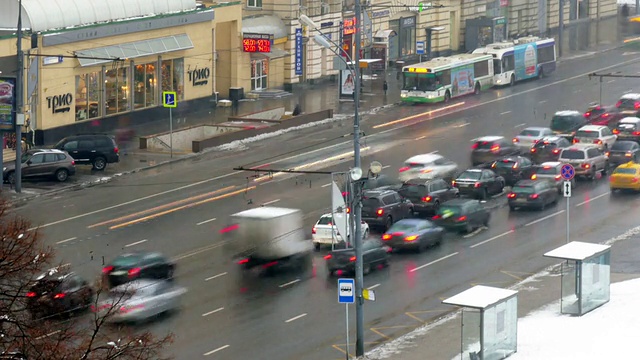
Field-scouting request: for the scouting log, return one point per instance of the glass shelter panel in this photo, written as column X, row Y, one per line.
column 499, row 330
column 471, row 334
column 595, row 282
column 570, row 288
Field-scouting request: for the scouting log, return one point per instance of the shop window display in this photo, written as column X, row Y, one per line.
column 88, row 91
column 116, row 91
column 173, row 76
column 259, row 74
column 144, row 80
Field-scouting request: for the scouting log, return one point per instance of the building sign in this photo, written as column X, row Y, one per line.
column 50, row 60
column 199, row 77
column 7, row 103
column 504, row 3
column 60, row 103
column 298, row 67
column 349, row 26
column 381, row 13
column 256, row 43
column 326, row 24
column 408, row 22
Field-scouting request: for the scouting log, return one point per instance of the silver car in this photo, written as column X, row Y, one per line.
column 529, row 137
column 140, row 300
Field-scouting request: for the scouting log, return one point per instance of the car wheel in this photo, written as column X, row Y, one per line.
column 605, row 169
column 483, row 194
column 512, row 208
column 11, row 177
column 540, row 73
column 62, row 175
column 447, row 96
column 388, row 223
column 317, row 246
column 436, row 206
column 366, row 269
column 512, row 81
column 477, row 89
column 99, row 163
column 468, row 228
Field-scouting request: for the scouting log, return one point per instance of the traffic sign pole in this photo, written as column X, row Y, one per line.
column 346, row 310
column 171, row 132
column 568, row 172
column 170, row 100
column 346, row 296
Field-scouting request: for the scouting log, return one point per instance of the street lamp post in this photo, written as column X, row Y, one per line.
column 19, row 118
column 324, row 41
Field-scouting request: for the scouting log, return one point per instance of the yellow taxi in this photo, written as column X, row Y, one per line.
column 626, row 176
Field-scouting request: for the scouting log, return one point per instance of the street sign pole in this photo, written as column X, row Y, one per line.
column 567, row 172
column 170, row 100
column 171, row 132
column 346, row 296
column 346, row 310
column 568, row 197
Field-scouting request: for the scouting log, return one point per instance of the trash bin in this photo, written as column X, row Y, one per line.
column 236, row 93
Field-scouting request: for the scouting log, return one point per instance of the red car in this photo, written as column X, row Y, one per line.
column 603, row 115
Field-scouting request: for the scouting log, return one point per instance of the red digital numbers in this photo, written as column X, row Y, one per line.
column 256, row 45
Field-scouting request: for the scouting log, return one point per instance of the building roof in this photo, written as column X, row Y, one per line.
column 578, row 251
column 480, row 297
column 42, row 15
column 265, row 24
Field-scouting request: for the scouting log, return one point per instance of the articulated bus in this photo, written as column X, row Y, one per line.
column 444, row 78
column 521, row 59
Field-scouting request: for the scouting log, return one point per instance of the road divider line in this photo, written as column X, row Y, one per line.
column 197, row 203
column 421, row 137
column 386, row 167
column 433, row 262
column 593, row 198
column 493, row 238
column 520, row 125
column 271, row 202
column 427, row 113
column 216, row 350
column 373, row 286
column 212, row 312
column 326, row 185
column 296, row 318
column 161, row 207
column 206, row 221
column 610, row 81
column 545, row 218
column 216, row 276
column 505, row 112
column 542, row 101
column 136, row 243
column 66, row 240
column 289, row 283
column 198, row 251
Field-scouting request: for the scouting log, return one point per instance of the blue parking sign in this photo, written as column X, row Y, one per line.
column 346, row 291
column 169, row 99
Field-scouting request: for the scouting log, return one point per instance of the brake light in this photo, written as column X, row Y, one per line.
column 126, row 309
column 546, row 167
column 344, row 193
column 636, row 105
column 515, row 166
column 534, row 196
column 436, row 217
column 243, row 261
column 116, row 150
column 107, row 269
column 616, row 131
column 313, row 230
column 511, row 195
column 619, row 103
column 398, row 233
column 386, row 237
column 134, row 271
column 59, row 296
column 269, row 264
column 636, row 133
column 462, row 218
column 635, row 179
column 411, row 238
column 73, row 162
column 586, row 166
column 534, row 176
column 348, row 210
column 575, row 140
column 515, row 140
column 558, row 177
column 426, row 198
column 229, row 228
column 605, row 115
column 352, row 259
column 31, row 294
column 533, row 150
column 453, row 183
column 627, row 154
column 556, row 151
column 474, row 146
column 587, row 114
column 380, row 212
column 327, row 257
column 598, row 142
column 476, row 185
column 495, row 148
column 404, row 168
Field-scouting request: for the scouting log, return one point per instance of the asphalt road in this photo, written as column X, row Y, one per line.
column 296, row 316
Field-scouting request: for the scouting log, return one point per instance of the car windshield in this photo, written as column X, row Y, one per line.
column 547, row 170
column 587, row 134
column 325, row 220
column 530, row 132
column 524, row 190
column 484, row 145
column 626, row 126
column 572, row 154
column 402, row 226
column 622, row 145
column 370, row 203
column 470, row 175
column 45, row 286
column 410, row 190
column 626, row 104
column 562, row 123
column 626, row 171
column 505, row 164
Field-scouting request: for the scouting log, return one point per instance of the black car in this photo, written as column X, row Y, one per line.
column 479, row 183
column 93, row 149
column 548, row 149
column 374, row 253
column 58, row 292
column 532, row 194
column 138, row 265
column 488, row 149
column 381, row 208
column 566, row 123
column 622, row 152
column 513, row 169
column 462, row 215
column 628, row 129
column 427, row 195
column 415, row 234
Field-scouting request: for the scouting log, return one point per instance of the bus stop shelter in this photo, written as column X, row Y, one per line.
column 586, row 276
column 489, row 322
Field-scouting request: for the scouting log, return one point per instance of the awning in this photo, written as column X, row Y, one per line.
column 265, row 24
column 274, row 54
column 134, row 49
column 384, row 35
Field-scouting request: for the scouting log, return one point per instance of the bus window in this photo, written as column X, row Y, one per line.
column 445, row 78
column 546, row 54
column 480, row 69
column 497, row 67
column 508, row 63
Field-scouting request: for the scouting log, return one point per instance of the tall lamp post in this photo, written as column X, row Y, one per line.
column 19, row 118
column 324, row 41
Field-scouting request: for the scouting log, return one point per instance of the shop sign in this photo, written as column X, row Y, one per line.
column 504, row 3
column 60, row 103
column 349, row 26
column 326, row 24
column 7, row 103
column 381, row 13
column 256, row 42
column 500, row 21
column 298, row 66
column 408, row 22
column 199, row 77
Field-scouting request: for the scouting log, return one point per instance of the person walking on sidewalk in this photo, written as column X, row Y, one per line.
column 385, row 87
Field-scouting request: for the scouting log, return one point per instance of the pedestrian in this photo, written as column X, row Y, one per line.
column 385, row 87
column 297, row 110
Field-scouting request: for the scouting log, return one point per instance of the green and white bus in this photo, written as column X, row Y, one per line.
column 444, row 78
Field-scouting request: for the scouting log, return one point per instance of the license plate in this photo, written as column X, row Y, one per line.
column 119, row 273
column 521, row 200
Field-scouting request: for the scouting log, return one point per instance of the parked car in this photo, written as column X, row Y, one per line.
column 513, row 169
column 97, row 150
column 552, row 172
column 427, row 195
column 599, row 135
column 381, row 208
column 529, row 137
column 479, row 183
column 587, row 160
column 628, row 128
column 548, row 149
column 488, row 149
column 566, row 123
column 41, row 163
column 532, row 194
column 418, row 234
column 463, row 215
column 428, row 166
column 326, row 232
column 58, row 291
column 625, row 177
column 138, row 265
column 622, row 152
column 374, row 253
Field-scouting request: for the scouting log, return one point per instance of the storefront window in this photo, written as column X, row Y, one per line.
column 87, row 96
column 117, row 90
column 173, row 76
column 406, row 30
column 144, row 78
column 259, row 74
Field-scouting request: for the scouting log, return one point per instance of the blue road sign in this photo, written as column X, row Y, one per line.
column 346, row 291
column 169, row 99
column 420, row 47
column 567, row 172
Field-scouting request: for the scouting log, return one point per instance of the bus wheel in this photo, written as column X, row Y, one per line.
column 477, row 89
column 540, row 73
column 512, row 81
column 447, row 96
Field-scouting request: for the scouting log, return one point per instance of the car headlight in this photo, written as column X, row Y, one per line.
column 4, row 168
column 403, row 95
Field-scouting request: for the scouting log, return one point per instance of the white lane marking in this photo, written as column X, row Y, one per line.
column 520, row 125
column 216, row 276
column 545, row 218
column 206, row 221
column 610, row 81
column 49, row 334
column 373, row 286
column 462, row 125
column 136, row 243
column 198, row 251
column 271, row 202
column 296, row 318
column 66, row 240
column 493, row 238
column 325, row 185
column 212, row 312
column 216, row 350
column 433, row 262
column 593, row 198
column 421, row 137
column 386, row 167
column 542, row 101
column 289, row 283
column 505, row 112
column 474, row 233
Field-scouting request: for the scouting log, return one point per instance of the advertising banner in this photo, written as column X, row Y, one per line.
column 526, row 61
column 347, row 83
column 299, row 51
column 462, row 80
column 7, row 103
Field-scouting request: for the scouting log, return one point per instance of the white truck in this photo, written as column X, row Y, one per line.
column 270, row 237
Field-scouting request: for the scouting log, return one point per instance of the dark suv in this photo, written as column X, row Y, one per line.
column 548, row 149
column 488, row 149
column 91, row 149
column 137, row 265
column 382, row 208
column 427, row 195
column 58, row 292
column 42, row 163
column 566, row 123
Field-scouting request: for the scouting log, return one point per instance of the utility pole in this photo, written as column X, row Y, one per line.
column 19, row 104
column 560, row 26
column 358, row 203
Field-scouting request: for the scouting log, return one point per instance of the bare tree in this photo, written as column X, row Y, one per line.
column 23, row 257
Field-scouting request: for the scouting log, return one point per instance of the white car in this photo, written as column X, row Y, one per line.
column 326, row 232
column 529, row 137
column 428, row 166
column 599, row 135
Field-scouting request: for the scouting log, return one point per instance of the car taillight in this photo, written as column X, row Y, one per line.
column 636, row 133
column 586, row 166
column 116, row 150
column 243, row 261
column 607, row 154
column 411, row 238
column 619, row 103
column 495, row 148
column 313, row 230
column 515, row 140
column 476, row 185
column 635, row 180
column 327, row 257
column 598, row 142
column 344, row 193
column 59, row 296
column 126, row 309
column 558, row 177
column 107, row 269
column 628, row 154
column 426, row 198
column 73, row 162
column 533, row 150
column 352, row 259
column 229, row 228
column 605, row 115
column 636, row 105
column 556, row 151
column 436, row 217
column 515, row 166
column 493, row 166
column 587, row 114
column 404, row 168
column 380, row 212
column 534, row 176
column 134, row 271
column 31, row 294
column 462, row 218
column 575, row 141
column 474, row 146
column 511, row 195
column 348, row 210
column 453, row 183
column 616, row 131
column 386, row 237
column 534, row 196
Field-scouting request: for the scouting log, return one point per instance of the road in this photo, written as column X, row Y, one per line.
column 179, row 210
